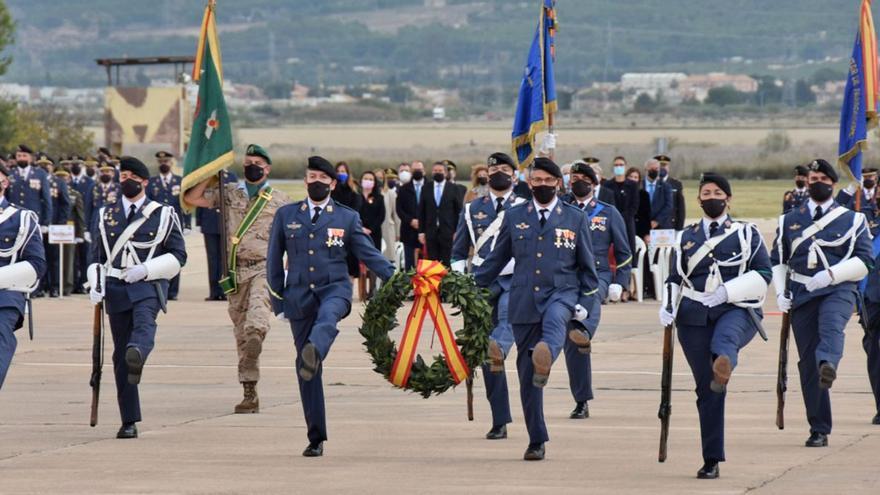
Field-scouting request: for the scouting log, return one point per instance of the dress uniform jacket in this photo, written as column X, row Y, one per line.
column 166, row 190
column 794, row 199
column 29, row 189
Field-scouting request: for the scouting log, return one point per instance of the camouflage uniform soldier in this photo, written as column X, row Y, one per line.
column 250, row 208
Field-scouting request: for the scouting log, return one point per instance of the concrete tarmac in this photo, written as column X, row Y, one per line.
column 383, row 440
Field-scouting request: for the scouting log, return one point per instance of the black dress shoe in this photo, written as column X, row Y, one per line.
column 172, row 298
column 53, row 293
column 709, row 471
column 135, row 362
column 39, row 293
column 876, row 420
column 498, row 432
column 827, row 375
column 535, row 452
column 817, row 440
column 314, row 450
column 127, row 430
column 581, row 411
column 79, row 291
column 310, row 362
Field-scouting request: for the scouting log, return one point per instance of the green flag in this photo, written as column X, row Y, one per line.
column 210, row 145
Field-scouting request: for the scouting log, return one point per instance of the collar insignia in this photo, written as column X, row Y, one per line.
column 304, row 207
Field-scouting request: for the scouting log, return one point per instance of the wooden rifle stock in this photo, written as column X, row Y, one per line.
column 782, row 369
column 666, row 381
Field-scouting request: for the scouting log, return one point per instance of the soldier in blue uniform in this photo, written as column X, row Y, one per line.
column 554, row 276
column 84, row 185
column 607, row 232
column 61, row 207
column 826, row 250
column 719, row 272
column 105, row 192
column 314, row 292
column 871, row 340
column 478, row 227
column 165, row 189
column 22, row 263
column 138, row 248
column 799, row 195
column 208, row 220
column 867, row 201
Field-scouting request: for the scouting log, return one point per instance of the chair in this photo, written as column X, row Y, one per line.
column 638, row 275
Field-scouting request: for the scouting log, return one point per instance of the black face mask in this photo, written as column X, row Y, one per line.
column 820, row 191
column 318, row 191
column 131, row 188
column 75, row 169
column 544, row 194
column 499, row 181
column 392, row 184
column 418, row 174
column 869, row 184
column 90, row 172
column 254, row 173
column 652, row 174
column 22, row 163
column 164, row 168
column 800, row 184
column 581, row 188
column 440, row 177
column 713, row 208
column 106, row 178
column 380, row 184
column 482, row 181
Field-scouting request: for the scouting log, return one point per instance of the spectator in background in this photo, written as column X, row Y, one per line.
column 451, row 171
column 659, row 196
column 479, row 183
column 440, row 206
column 678, row 203
column 391, row 225
column 626, row 196
column 346, row 193
column 600, row 192
column 372, row 208
column 565, row 185
column 643, row 213
column 408, row 198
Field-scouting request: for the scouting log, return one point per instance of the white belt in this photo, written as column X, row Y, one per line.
column 801, row 279
column 114, row 273
column 692, row 294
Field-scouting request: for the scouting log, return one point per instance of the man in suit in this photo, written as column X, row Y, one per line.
column 678, row 203
column 61, row 207
column 660, row 196
column 408, row 199
column 438, row 215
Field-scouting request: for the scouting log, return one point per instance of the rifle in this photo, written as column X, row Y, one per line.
column 97, row 354
column 469, row 383
column 782, row 371
column 30, row 313
column 666, row 381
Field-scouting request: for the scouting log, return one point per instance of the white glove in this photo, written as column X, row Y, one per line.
column 78, row 240
column 549, row 142
column 134, row 274
column 850, row 189
column 614, row 292
column 44, row 229
column 187, row 231
column 95, row 296
column 88, row 237
column 666, row 317
column 580, row 313
column 784, row 303
column 281, row 317
column 819, row 281
column 459, row 266
column 716, row 298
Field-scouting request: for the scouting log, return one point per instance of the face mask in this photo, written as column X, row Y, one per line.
column 318, row 191
column 75, row 169
column 663, row 173
column 341, row 176
column 367, row 184
column 800, row 184
column 22, row 163
column 652, row 174
column 869, row 184
column 544, row 194
column 164, row 168
column 418, row 174
column 820, row 191
column 405, row 177
column 380, row 183
column 254, row 173
column 392, row 184
column 499, row 181
column 439, row 177
column 619, row 169
column 90, row 172
column 482, row 181
column 581, row 188
column 713, row 208
column 566, row 180
column 106, row 179
column 131, row 188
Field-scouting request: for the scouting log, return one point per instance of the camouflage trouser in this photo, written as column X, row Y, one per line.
column 251, row 313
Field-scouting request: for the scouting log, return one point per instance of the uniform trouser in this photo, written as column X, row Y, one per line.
column 818, row 332
column 50, row 280
column 871, row 344
column 580, row 366
column 81, row 264
column 725, row 336
column 551, row 330
column 496, row 383
column 174, row 287
column 215, row 264
column 69, row 250
column 320, row 330
column 9, row 318
column 251, row 314
column 133, row 328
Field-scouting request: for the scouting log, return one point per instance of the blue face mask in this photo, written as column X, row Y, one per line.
column 663, row 173
column 342, row 177
column 618, row 170
column 566, row 179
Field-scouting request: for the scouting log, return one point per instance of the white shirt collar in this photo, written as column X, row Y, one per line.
column 25, row 171
column 586, row 201
column 506, row 195
column 441, row 184
column 322, row 205
column 549, row 207
column 813, row 205
column 418, row 183
column 869, row 193
column 708, row 221
column 166, row 178
column 126, row 204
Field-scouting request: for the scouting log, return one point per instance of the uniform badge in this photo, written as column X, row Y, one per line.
column 565, row 238
column 175, row 190
column 335, row 237
column 304, row 207
column 688, row 245
column 35, row 184
column 599, row 223
column 796, row 226
column 523, row 226
column 294, row 226
column 481, row 216
column 727, row 224
column 329, row 209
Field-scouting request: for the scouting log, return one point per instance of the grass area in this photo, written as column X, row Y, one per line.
column 295, row 189
column 751, row 198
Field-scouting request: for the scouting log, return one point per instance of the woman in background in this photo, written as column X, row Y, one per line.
column 479, row 183
column 372, row 217
column 346, row 193
column 391, row 225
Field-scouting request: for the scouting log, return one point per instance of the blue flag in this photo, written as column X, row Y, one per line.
column 537, row 93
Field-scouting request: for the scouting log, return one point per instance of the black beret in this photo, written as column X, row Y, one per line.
column 824, row 167
column 869, row 171
column 24, row 149
column 134, row 166
column 718, row 180
column 547, row 165
column 449, row 164
column 591, row 159
column 257, row 150
column 584, row 169
column 663, row 158
column 322, row 165
column 801, row 170
column 164, row 154
column 104, row 150
column 500, row 159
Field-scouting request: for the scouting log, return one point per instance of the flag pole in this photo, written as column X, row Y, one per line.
column 221, row 196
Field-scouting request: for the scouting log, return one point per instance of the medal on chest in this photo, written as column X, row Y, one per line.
column 335, row 237
column 564, row 238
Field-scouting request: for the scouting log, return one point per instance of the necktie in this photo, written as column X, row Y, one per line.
column 499, row 205
column 543, row 216
column 713, row 229
column 651, row 190
column 818, row 214
column 418, row 192
column 582, row 205
column 316, row 215
column 438, row 192
column 131, row 212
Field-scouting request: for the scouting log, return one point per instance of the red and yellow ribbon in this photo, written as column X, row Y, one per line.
column 426, row 286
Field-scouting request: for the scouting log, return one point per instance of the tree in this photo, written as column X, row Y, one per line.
column 727, row 95
column 644, row 104
column 49, row 128
column 803, row 94
column 7, row 36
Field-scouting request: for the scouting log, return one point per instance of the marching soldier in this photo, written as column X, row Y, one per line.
column 61, row 207
column 315, row 294
column 250, row 208
column 22, row 263
column 165, row 189
column 478, row 229
column 85, row 186
column 554, row 276
column 825, row 250
column 138, row 248
column 799, row 195
column 607, row 230
column 720, row 272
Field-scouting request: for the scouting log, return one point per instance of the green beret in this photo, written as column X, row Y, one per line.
column 257, row 150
